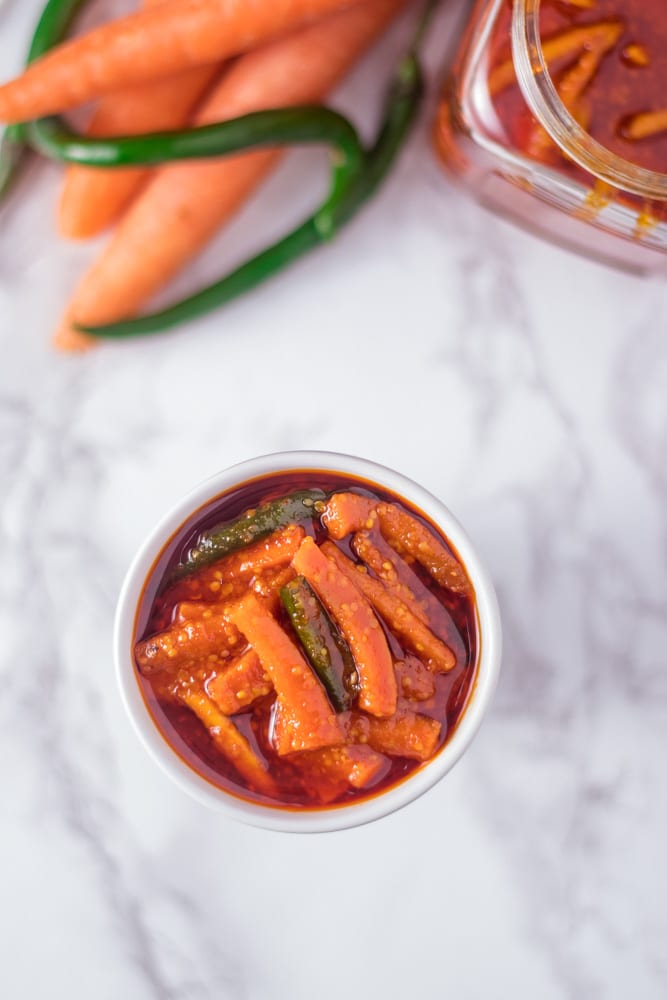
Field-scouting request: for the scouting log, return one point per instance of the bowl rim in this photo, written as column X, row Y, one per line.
column 327, row 818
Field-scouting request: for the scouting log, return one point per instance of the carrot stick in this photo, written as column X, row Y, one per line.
column 229, row 741
column 406, row 734
column 150, row 44
column 399, row 578
column 240, row 684
column 413, row 633
column 415, row 681
column 406, row 534
column 303, row 719
column 359, row 625
column 383, row 561
column 645, row 124
column 185, row 204
column 358, row 766
column 92, row 199
column 347, row 512
column 199, row 632
column 218, row 580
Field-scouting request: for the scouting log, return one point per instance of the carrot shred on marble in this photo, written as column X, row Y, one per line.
column 303, row 717
column 410, row 630
column 358, row 623
column 229, row 741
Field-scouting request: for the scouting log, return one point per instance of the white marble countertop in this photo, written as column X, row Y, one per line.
column 525, row 387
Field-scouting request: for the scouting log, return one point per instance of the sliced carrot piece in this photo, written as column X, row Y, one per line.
column 401, row 579
column 199, row 632
column 346, row 512
column 406, row 734
column 415, row 681
column 240, row 684
column 217, row 581
column 406, row 534
column 229, row 741
column 358, row 623
column 560, row 46
column 304, row 719
column 358, row 765
column 412, row 633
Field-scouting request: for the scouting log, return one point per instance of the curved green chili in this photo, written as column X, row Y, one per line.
column 402, row 105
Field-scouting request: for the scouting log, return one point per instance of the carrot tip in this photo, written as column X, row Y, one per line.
column 68, row 339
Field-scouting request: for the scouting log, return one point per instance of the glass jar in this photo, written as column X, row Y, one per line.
column 555, row 114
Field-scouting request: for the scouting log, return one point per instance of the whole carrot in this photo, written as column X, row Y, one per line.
column 150, row 44
column 185, row 204
column 91, row 200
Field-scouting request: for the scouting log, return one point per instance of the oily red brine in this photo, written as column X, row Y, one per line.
column 608, row 62
column 367, row 757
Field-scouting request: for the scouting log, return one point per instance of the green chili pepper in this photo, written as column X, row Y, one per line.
column 325, row 648
column 251, row 526
column 356, row 174
column 348, row 195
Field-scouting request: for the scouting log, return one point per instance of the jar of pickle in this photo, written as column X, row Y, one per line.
column 555, row 114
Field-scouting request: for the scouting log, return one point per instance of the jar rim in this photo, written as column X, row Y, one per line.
column 542, row 97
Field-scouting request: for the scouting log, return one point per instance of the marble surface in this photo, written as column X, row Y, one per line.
column 526, row 388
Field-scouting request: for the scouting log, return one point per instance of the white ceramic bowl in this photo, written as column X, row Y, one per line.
column 336, row 817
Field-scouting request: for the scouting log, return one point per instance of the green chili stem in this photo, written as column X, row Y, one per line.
column 402, row 106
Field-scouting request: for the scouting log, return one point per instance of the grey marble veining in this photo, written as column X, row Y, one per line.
column 522, row 385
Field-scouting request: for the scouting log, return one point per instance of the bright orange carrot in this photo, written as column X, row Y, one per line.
column 406, row 534
column 347, row 512
column 406, row 734
column 92, row 199
column 185, row 204
column 216, row 581
column 229, row 741
column 415, row 681
column 199, row 632
column 356, row 766
column 358, row 623
column 401, row 580
column 303, row 717
column 410, row 630
column 240, row 684
column 150, row 44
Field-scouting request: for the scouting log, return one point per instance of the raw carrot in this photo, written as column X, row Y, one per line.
column 303, row 717
column 240, row 684
column 410, row 630
column 359, row 625
column 93, row 199
column 199, row 632
column 185, row 204
column 230, row 741
column 406, row 534
column 148, row 45
column 347, row 512
column 406, row 734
